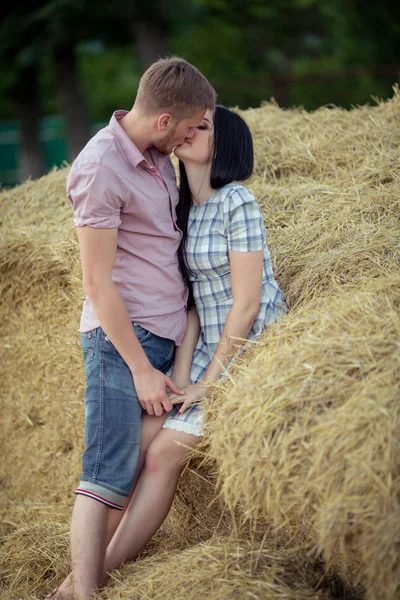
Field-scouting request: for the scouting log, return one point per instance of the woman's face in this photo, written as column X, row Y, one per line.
column 199, row 148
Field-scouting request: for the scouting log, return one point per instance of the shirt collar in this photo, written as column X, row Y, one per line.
column 132, row 153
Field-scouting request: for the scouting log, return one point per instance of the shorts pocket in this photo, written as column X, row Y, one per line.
column 88, row 341
column 108, row 347
column 141, row 333
column 159, row 351
column 167, row 362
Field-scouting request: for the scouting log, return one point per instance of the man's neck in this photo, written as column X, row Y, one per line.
column 137, row 129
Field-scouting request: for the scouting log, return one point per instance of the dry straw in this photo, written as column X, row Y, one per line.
column 307, row 432
column 223, row 569
column 303, row 440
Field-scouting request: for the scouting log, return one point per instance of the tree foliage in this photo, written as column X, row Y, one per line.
column 249, row 49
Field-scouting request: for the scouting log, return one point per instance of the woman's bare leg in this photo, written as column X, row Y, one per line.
column 151, row 426
column 153, row 496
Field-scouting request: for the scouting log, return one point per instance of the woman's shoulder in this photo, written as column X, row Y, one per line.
column 234, row 195
column 236, row 192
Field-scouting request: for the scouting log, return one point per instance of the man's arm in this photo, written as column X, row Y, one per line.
column 98, row 249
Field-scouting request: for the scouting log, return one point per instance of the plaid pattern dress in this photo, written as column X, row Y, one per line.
column 231, row 219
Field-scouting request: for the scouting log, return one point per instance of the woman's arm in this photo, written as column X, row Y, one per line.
column 184, row 352
column 246, row 280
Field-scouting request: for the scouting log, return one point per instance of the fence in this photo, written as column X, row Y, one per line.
column 51, row 136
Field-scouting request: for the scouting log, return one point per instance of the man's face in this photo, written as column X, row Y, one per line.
column 177, row 133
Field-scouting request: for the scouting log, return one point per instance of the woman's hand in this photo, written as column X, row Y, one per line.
column 192, row 395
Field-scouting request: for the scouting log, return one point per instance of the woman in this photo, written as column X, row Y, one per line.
column 233, row 296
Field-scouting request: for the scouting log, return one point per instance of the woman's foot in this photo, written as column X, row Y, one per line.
column 63, row 591
column 57, row 595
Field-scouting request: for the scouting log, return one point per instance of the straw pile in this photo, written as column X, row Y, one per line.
column 318, row 404
column 301, row 438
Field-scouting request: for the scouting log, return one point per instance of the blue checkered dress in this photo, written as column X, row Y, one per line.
column 230, row 220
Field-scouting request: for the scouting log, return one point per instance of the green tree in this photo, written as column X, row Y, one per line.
column 55, row 30
column 20, row 50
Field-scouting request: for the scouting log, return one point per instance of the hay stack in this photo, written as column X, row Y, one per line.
column 223, row 568
column 308, row 431
column 303, row 440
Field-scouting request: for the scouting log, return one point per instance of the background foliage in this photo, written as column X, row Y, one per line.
column 82, row 59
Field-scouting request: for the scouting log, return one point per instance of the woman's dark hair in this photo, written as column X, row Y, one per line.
column 233, row 160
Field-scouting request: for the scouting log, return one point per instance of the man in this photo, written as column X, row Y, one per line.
column 123, row 193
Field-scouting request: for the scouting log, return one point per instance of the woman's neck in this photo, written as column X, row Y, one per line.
column 199, row 182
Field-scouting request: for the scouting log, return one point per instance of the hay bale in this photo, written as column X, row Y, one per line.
column 337, row 240
column 33, row 560
column 329, row 144
column 328, row 184
column 37, row 240
column 308, row 431
column 222, row 569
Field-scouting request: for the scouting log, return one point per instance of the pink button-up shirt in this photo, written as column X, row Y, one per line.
column 111, row 185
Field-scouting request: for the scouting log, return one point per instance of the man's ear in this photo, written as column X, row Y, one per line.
column 164, row 121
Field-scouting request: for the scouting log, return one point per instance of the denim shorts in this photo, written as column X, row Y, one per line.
column 113, row 414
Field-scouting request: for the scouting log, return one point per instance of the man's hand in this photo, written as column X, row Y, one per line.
column 151, row 388
column 192, row 395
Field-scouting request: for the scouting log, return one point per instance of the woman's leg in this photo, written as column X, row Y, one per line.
column 153, row 496
column 151, row 426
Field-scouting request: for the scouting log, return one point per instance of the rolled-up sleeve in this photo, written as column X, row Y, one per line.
column 95, row 194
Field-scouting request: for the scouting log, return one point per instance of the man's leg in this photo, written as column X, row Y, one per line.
column 113, row 418
column 151, row 427
column 88, row 544
column 112, row 432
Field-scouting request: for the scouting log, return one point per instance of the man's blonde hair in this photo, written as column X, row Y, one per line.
column 173, row 85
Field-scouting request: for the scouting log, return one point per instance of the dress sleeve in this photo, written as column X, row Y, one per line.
column 244, row 223
column 95, row 194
